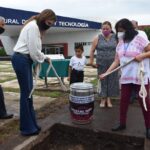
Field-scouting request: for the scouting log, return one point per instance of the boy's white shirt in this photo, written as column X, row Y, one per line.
column 78, row 63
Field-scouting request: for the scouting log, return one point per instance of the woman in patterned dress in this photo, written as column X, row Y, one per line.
column 105, row 45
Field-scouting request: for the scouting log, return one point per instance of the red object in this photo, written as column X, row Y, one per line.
column 126, row 90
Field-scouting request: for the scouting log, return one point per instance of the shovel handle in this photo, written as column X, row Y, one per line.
column 119, row 67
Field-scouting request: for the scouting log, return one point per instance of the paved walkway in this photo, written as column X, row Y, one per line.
column 90, row 74
column 12, row 99
column 12, row 104
column 103, row 120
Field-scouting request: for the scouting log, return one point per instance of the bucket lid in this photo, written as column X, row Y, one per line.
column 81, row 85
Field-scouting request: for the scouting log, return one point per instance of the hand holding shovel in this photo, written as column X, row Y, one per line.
column 102, row 76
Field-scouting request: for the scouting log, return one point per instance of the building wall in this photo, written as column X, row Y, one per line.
column 8, row 43
column 66, row 37
column 71, row 38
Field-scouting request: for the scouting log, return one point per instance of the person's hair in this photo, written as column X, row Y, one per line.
column 2, row 19
column 107, row 23
column 44, row 15
column 79, row 46
column 130, row 32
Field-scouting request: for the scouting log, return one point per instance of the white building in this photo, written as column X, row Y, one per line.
column 61, row 38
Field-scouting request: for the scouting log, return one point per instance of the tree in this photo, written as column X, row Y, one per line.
column 147, row 31
column 2, row 52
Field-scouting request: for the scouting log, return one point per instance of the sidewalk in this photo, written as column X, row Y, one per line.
column 12, row 104
column 12, row 99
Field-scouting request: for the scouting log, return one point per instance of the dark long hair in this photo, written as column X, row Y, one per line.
column 130, row 32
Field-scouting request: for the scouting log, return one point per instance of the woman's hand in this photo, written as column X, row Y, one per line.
column 88, row 64
column 139, row 57
column 94, row 65
column 68, row 78
column 48, row 60
column 102, row 76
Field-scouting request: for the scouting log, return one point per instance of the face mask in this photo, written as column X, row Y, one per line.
column 1, row 30
column 106, row 33
column 120, row 35
column 43, row 26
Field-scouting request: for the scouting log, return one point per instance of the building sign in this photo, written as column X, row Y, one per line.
column 10, row 21
column 18, row 17
column 14, row 21
column 72, row 24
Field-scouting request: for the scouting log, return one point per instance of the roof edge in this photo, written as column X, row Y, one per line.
column 18, row 17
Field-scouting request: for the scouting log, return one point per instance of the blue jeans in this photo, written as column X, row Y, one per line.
column 23, row 67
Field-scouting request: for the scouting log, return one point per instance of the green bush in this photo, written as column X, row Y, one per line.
column 147, row 31
column 2, row 52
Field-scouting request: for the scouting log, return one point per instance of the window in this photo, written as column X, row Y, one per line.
column 52, row 49
column 82, row 43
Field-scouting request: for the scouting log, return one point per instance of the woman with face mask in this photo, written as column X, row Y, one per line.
column 105, row 45
column 131, row 45
column 26, row 51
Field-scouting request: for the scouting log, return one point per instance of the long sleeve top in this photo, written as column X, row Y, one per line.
column 29, row 42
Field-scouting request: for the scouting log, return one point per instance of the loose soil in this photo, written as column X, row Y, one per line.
column 11, row 129
column 64, row 137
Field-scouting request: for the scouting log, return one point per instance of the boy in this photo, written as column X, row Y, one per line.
column 76, row 66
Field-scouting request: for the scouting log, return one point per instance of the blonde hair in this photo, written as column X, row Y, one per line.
column 107, row 23
column 44, row 15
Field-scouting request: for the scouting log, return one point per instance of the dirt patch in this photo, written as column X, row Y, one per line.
column 52, row 107
column 8, row 130
column 63, row 137
column 11, row 129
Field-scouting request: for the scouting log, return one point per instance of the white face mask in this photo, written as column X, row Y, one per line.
column 120, row 35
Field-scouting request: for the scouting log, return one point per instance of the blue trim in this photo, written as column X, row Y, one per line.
column 18, row 17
